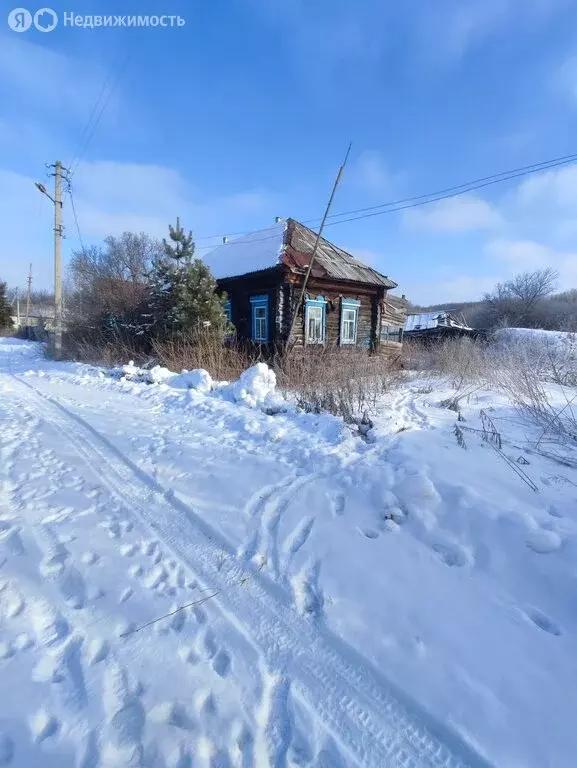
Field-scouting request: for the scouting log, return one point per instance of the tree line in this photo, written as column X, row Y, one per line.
column 140, row 287
column 146, row 289
column 527, row 300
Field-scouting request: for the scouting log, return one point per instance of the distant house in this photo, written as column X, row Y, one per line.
column 441, row 323
column 346, row 304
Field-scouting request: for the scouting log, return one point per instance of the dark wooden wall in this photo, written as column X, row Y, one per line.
column 240, row 289
column 283, row 291
column 333, row 293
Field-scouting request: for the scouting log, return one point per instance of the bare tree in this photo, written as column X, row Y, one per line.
column 516, row 301
column 112, row 279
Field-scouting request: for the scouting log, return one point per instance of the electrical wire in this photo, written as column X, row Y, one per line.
column 90, row 118
column 419, row 200
column 75, row 217
column 90, row 134
column 532, row 168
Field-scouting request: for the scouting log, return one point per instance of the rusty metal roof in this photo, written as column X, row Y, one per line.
column 330, row 261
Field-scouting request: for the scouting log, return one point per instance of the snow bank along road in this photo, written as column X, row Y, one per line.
column 121, row 502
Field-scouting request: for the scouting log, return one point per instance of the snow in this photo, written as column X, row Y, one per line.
column 534, row 334
column 402, row 602
column 250, row 253
column 538, row 341
column 254, row 387
column 197, row 379
column 428, row 320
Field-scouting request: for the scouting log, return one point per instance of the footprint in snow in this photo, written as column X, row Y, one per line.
column 172, row 713
column 128, row 550
column 90, row 557
column 543, row 541
column 370, row 533
column 338, row 505
column 125, row 595
column 545, row 623
column 553, row 511
column 43, row 726
column 222, row 663
column 453, row 555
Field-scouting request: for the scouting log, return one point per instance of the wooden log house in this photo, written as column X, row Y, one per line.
column 347, row 303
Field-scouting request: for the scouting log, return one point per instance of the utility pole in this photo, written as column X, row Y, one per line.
column 59, row 171
column 316, row 245
column 58, row 260
column 29, row 280
column 18, row 307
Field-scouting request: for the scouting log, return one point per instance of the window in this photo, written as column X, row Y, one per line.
column 315, row 320
column 259, row 318
column 228, row 311
column 392, row 333
column 349, row 320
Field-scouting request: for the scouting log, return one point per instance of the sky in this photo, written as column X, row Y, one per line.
column 245, row 112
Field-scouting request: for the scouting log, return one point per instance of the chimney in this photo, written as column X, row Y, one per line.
column 277, row 219
column 224, row 240
column 403, row 296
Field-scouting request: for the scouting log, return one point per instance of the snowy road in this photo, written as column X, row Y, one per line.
column 116, row 508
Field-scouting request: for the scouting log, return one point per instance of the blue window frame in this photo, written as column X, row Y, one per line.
column 349, row 320
column 228, row 310
column 259, row 305
column 315, row 320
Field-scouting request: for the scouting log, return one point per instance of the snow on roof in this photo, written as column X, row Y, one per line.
column 249, row 253
column 425, row 321
column 291, row 243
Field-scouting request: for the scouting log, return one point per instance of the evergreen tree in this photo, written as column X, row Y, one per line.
column 5, row 318
column 183, row 249
column 183, row 294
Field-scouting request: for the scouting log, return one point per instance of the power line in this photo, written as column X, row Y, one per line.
column 494, row 178
column 419, row 200
column 90, row 117
column 452, row 194
column 81, row 148
column 75, row 217
column 92, row 130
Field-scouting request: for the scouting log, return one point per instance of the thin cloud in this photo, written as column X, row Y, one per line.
column 454, row 215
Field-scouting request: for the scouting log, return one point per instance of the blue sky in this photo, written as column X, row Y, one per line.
column 246, row 111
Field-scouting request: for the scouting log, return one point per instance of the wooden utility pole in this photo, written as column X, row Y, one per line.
column 29, row 281
column 316, row 245
column 57, row 200
column 58, row 259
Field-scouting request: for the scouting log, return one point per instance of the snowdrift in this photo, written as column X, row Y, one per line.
column 255, row 388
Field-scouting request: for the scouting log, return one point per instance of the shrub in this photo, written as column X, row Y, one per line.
column 344, row 382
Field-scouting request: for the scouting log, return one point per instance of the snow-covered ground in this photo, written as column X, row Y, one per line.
column 401, row 602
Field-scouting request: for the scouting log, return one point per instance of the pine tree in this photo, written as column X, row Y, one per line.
column 183, row 294
column 5, row 318
column 183, row 249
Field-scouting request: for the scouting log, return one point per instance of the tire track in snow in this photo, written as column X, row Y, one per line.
column 267, row 507
column 374, row 722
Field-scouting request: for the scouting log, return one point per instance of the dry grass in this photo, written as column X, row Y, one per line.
column 205, row 349
column 102, row 349
column 521, row 370
column 462, row 364
column 344, row 382
column 520, row 381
